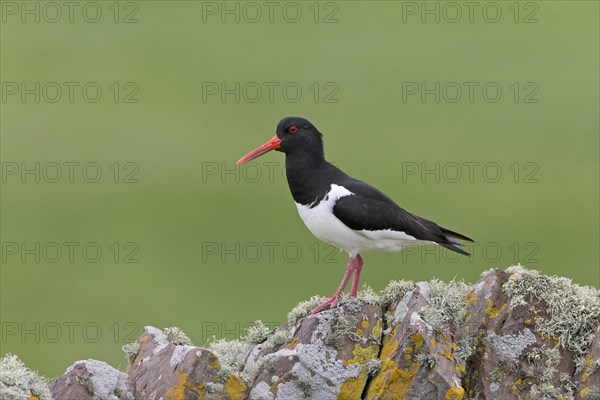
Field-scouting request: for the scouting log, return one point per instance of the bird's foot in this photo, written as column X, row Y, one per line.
column 331, row 302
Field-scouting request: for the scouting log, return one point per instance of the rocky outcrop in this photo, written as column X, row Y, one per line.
column 91, row 379
column 515, row 334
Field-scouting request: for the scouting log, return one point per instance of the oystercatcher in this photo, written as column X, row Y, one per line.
column 343, row 211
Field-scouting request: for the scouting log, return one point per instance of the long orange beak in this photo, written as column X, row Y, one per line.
column 272, row 144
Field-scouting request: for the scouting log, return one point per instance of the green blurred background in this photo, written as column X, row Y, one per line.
column 189, row 208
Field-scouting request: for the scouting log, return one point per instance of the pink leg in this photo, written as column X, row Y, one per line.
column 333, row 300
column 357, row 270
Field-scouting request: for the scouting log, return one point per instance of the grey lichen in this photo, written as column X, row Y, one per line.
column 18, row 382
column 573, row 309
column 228, row 352
column 426, row 359
column 176, row 336
column 505, row 367
column 447, row 304
column 542, row 363
column 279, row 337
column 131, row 350
column 394, row 291
column 569, row 387
column 341, row 327
column 465, row 349
column 258, row 332
column 304, row 386
column 303, row 308
column 369, row 296
column 86, row 383
column 373, row 366
column 592, row 394
column 511, row 345
column 101, row 380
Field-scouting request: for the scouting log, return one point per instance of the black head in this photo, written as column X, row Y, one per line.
column 299, row 135
column 294, row 135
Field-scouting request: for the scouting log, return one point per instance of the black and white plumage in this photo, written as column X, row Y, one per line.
column 344, row 211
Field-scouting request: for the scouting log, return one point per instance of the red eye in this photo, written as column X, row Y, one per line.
column 293, row 129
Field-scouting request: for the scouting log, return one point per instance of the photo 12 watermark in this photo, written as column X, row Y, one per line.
column 470, row 12
column 27, row 172
column 470, row 172
column 54, row 12
column 491, row 252
column 70, row 252
column 269, row 252
column 29, row 92
column 270, row 92
column 254, row 12
column 489, row 92
column 67, row 331
column 214, row 330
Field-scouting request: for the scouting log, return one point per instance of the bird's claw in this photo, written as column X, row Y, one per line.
column 331, row 302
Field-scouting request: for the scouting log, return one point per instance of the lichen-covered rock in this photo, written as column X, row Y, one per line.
column 587, row 378
column 514, row 335
column 91, row 380
column 528, row 330
column 162, row 369
column 417, row 361
column 328, row 356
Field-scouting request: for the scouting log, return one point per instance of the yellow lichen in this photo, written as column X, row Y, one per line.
column 391, row 380
column 584, row 392
column 447, row 354
column 362, row 355
column 351, row 389
column 408, row 354
column 586, row 371
column 516, row 388
column 365, row 324
column 32, row 397
column 472, row 298
column 359, row 332
column 377, row 329
column 459, row 368
column 456, row 393
column 417, row 339
column 275, row 387
column 433, row 344
column 214, row 363
column 493, row 312
column 291, row 345
column 234, row 387
column 178, row 391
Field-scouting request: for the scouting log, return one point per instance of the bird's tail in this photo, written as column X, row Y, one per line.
column 451, row 245
column 455, row 235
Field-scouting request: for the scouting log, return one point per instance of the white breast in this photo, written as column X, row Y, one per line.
column 328, row 228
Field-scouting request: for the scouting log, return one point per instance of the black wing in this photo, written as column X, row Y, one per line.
column 370, row 209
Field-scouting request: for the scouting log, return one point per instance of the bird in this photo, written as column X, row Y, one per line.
column 343, row 211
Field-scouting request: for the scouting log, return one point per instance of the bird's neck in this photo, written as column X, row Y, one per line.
column 309, row 176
